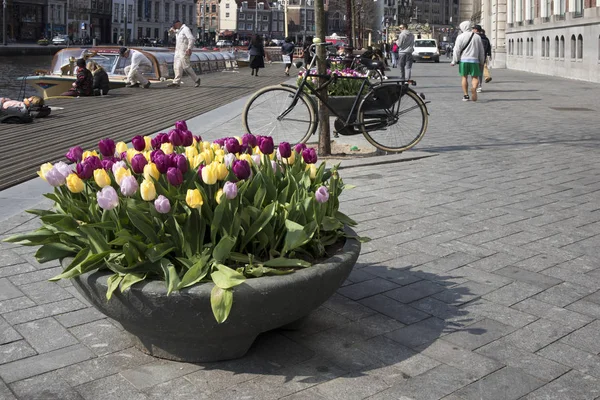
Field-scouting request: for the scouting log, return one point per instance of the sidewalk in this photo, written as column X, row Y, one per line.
column 482, row 280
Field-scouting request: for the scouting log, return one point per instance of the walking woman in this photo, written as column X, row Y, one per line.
column 256, row 50
column 287, row 50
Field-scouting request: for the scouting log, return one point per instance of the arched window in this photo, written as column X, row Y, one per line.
column 510, row 46
column 531, row 47
column 521, row 46
column 543, row 47
column 547, row 46
column 556, row 48
column 562, row 47
column 527, row 48
column 573, row 47
column 579, row 47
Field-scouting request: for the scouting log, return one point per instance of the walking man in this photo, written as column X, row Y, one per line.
column 135, row 71
column 469, row 54
column 406, row 42
column 183, row 50
column 488, row 55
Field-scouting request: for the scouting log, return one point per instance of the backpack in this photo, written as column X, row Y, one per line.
column 395, row 48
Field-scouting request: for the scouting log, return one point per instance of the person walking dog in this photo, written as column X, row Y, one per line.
column 184, row 43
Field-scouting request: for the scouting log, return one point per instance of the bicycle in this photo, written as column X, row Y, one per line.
column 390, row 115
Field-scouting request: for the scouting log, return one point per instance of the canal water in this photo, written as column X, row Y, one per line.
column 12, row 67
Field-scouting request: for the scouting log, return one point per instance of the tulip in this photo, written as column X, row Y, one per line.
column 285, row 150
column 107, row 164
column 44, row 168
column 299, row 147
column 150, row 172
column 313, row 170
column 74, row 183
column 174, row 176
column 198, row 139
column 249, row 140
column 101, row 178
column 191, row 152
column 256, row 159
column 162, row 204
column 228, row 159
column 129, row 186
column 117, row 165
column 84, row 171
column 139, row 143
column 232, row 145
column 219, row 196
column 208, row 156
column 107, row 147
column 322, row 194
column 181, row 163
column 274, row 166
column 167, row 148
column 87, row 154
column 155, row 153
column 107, row 198
column 162, row 163
column 148, row 190
column 230, row 189
column 55, row 178
column 222, row 171
column 121, row 147
column 63, row 168
column 74, row 154
column 209, row 174
column 94, row 162
column 120, row 174
column 138, row 162
column 193, row 198
column 220, row 142
column 188, row 138
column 309, row 155
column 241, row 169
column 266, row 145
column 219, row 155
column 181, row 125
column 176, row 137
column 197, row 160
column 291, row 159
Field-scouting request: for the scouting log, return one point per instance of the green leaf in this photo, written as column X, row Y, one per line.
column 158, row 251
column 173, row 281
column 346, row 220
column 195, row 274
column 131, row 279
column 287, row 262
column 331, row 224
column 112, row 283
column 221, row 301
column 225, row 277
column 267, row 213
column 223, row 248
column 92, row 261
column 295, row 236
column 37, row 237
column 131, row 254
column 54, row 251
column 97, row 241
column 143, row 224
column 39, row 212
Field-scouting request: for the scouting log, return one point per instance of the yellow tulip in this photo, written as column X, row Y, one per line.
column 291, row 159
column 313, row 170
column 150, row 171
column 130, row 153
column 208, row 156
column 215, row 146
column 193, row 198
column 121, row 147
column 219, row 195
column 222, row 171
column 197, row 160
column 101, row 178
column 74, row 184
column 205, row 145
column 167, row 148
column 148, row 141
column 147, row 155
column 191, row 152
column 247, row 157
column 147, row 190
column 120, row 174
column 88, row 153
column 219, row 155
column 209, row 174
column 44, row 169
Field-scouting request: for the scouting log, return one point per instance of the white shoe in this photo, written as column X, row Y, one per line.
column 479, row 90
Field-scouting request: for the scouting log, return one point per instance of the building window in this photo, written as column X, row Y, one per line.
column 242, row 17
column 547, row 46
column 227, row 5
column 156, row 8
column 556, row 47
column 579, row 47
column 176, row 11
column 167, row 14
column 213, row 8
column 249, row 27
column 543, row 47
column 573, row 47
column 183, row 12
column 116, row 12
column 226, row 15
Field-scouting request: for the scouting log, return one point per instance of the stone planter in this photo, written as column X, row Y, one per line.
column 182, row 327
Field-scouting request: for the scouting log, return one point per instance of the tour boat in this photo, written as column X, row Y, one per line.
column 61, row 75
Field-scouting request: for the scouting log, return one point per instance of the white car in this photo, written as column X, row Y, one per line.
column 224, row 43
column 60, row 40
column 426, row 50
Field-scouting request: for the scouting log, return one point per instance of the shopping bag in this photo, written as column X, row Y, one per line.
column 286, row 59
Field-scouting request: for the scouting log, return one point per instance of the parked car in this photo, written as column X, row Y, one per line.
column 276, row 42
column 60, row 40
column 426, row 50
column 224, row 43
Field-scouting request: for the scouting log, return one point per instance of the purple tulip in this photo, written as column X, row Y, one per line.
column 174, row 176
column 117, row 165
column 159, row 139
column 94, row 162
column 230, row 190
column 249, row 140
column 55, row 178
column 162, row 163
column 245, row 149
column 138, row 162
column 84, row 171
column 188, row 138
column 309, row 155
column 198, row 138
column 107, row 198
column 108, row 163
column 138, row 143
column 154, row 153
column 232, row 145
column 107, row 147
column 74, row 154
column 64, row 168
column 322, row 194
column 299, row 147
column 181, row 163
column 129, row 185
column 241, row 169
column 266, row 145
column 176, row 137
column 181, row 125
column 285, row 150
column 162, row 204
column 220, row 142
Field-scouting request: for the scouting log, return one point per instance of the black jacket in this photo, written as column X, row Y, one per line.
column 101, row 81
column 486, row 45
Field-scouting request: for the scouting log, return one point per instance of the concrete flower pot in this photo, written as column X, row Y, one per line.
column 182, row 327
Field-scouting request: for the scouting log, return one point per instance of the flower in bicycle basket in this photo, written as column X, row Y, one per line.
column 233, row 205
column 341, row 87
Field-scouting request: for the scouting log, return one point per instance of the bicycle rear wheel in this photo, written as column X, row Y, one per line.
column 270, row 112
column 393, row 117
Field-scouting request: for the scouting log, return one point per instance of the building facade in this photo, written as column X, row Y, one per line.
column 262, row 18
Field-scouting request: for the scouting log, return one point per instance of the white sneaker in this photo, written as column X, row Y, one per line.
column 479, row 90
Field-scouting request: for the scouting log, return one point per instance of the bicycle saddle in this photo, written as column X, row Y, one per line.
column 372, row 64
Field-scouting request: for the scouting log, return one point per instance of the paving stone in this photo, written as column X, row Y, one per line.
column 394, row 309
column 45, row 386
column 46, row 334
column 532, row 278
column 360, row 275
column 414, row 291
column 563, row 294
column 7, row 333
column 539, row 263
column 42, row 311
column 308, row 394
column 570, row 319
column 102, row 337
column 479, row 334
column 44, row 292
column 15, row 351
column 35, row 276
column 530, row 363
column 419, row 333
column 15, row 269
column 28, row 367
column 538, row 334
column 580, row 360
column 587, row 280
column 367, row 288
column 512, row 293
column 176, row 389
column 472, row 274
column 357, row 385
column 476, row 365
column 586, row 338
column 505, row 384
column 18, row 303
column 79, row 317
column 500, row 313
column 571, row 386
column 447, row 263
column 113, row 387
column 8, row 290
column 153, row 373
column 586, row 308
column 400, row 276
column 347, row 308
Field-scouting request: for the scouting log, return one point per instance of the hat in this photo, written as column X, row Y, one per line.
column 478, row 27
column 123, row 50
column 176, row 21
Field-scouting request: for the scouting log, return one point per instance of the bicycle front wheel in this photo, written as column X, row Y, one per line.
column 392, row 117
column 272, row 112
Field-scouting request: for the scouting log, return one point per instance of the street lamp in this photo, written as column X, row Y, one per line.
column 305, row 18
column 203, row 21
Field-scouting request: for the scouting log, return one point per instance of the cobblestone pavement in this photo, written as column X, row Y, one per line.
column 482, row 280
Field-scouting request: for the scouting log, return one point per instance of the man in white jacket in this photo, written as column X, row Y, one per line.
column 470, row 54
column 134, row 71
column 183, row 51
